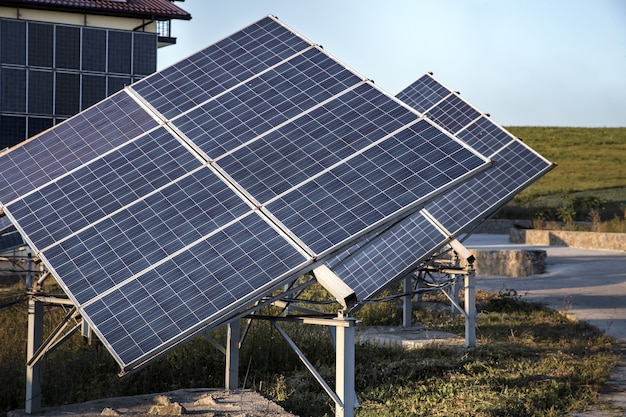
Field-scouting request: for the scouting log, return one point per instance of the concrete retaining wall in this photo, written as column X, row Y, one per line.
column 509, row 263
column 582, row 240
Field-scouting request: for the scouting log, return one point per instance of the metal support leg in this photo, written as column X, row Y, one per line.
column 232, row 356
column 470, row 309
column 456, row 290
column 33, row 371
column 344, row 372
column 407, row 302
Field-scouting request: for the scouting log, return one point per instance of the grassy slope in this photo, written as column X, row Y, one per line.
column 588, row 158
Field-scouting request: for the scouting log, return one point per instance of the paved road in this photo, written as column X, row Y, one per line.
column 589, row 285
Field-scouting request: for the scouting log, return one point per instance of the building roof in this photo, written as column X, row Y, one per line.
column 150, row 9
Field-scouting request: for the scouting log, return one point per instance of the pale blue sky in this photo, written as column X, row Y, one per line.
column 527, row 62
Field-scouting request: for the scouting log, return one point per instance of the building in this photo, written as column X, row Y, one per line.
column 58, row 57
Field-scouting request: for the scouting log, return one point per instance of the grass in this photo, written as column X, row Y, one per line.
column 529, row 361
column 588, row 159
column 590, row 168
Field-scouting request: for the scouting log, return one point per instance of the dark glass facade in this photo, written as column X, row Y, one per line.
column 49, row 72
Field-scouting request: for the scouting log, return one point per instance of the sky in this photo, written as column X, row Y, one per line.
column 526, row 62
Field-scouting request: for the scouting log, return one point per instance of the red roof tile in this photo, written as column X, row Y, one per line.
column 158, row 9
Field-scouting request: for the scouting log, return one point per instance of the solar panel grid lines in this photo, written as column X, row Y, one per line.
column 220, row 66
column 273, row 259
column 424, row 93
column 263, row 104
column 313, row 144
column 439, row 103
column 100, row 187
column 145, row 233
column 453, row 113
column 331, row 209
column 518, row 166
column 393, row 252
column 54, row 152
column 452, row 213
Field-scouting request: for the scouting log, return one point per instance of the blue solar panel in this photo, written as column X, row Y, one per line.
column 453, row 114
column 267, row 155
column 234, row 265
column 315, row 141
column 101, row 187
column 146, row 232
column 423, row 93
column 458, row 211
column 71, row 144
column 368, row 266
column 220, row 67
column 253, row 108
column 517, row 167
column 371, row 186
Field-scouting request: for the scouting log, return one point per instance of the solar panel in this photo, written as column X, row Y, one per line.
column 9, row 236
column 222, row 178
column 387, row 256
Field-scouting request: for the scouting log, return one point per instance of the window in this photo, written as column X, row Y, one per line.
column 94, row 49
column 38, row 125
column 40, row 44
column 12, row 42
column 40, row 92
column 67, row 94
column 67, row 51
column 117, row 83
column 94, row 89
column 120, row 46
column 144, row 53
column 12, row 130
column 13, row 84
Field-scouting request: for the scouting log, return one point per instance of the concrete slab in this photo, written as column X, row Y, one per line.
column 586, row 284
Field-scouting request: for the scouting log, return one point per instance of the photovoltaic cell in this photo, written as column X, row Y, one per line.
column 264, row 154
column 458, row 210
column 314, row 142
column 146, row 232
column 170, row 300
column 461, row 208
column 396, row 173
column 453, row 114
column 219, row 67
column 71, row 144
column 368, row 266
column 265, row 102
column 101, row 187
column 424, row 93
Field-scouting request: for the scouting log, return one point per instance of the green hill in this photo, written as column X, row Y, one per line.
column 587, row 158
column 591, row 172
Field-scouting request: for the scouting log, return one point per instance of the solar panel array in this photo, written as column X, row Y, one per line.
column 392, row 253
column 171, row 206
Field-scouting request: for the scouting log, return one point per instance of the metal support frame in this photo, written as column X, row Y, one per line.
column 451, row 291
column 37, row 348
column 232, row 356
column 35, row 341
column 344, row 394
column 407, row 302
column 470, row 308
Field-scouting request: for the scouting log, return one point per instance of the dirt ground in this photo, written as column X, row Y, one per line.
column 201, row 402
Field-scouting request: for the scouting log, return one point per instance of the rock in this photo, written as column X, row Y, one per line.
column 172, row 409
column 107, row 411
column 206, row 399
column 509, row 263
column 161, row 400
